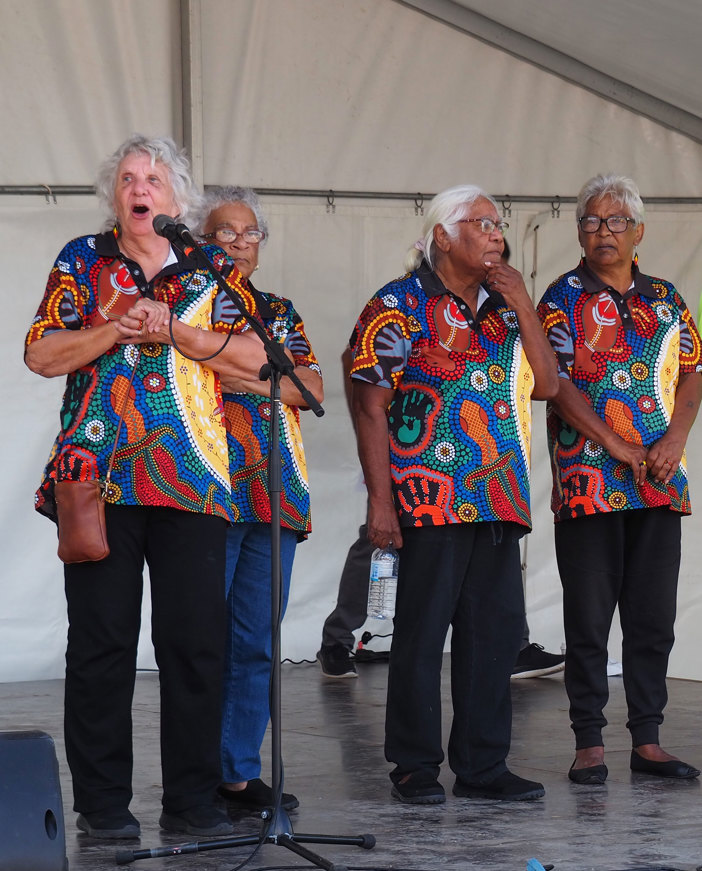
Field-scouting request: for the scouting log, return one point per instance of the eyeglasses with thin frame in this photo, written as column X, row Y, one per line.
column 615, row 223
column 225, row 236
column 487, row 225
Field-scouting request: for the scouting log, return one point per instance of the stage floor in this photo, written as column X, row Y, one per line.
column 333, row 753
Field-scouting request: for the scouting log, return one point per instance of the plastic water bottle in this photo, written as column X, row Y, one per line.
column 382, row 587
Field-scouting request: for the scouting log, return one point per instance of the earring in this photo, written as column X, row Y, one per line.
column 636, row 256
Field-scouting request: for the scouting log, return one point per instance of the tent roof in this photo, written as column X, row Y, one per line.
column 643, row 54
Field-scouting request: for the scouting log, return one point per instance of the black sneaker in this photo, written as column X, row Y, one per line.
column 113, row 824
column 505, row 787
column 419, row 788
column 335, row 661
column 205, row 820
column 534, row 661
column 256, row 796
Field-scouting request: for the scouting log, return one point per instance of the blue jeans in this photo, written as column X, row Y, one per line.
column 246, row 711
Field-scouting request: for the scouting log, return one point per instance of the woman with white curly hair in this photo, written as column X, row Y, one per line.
column 138, row 329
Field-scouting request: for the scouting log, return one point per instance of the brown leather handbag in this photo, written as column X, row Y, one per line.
column 80, row 508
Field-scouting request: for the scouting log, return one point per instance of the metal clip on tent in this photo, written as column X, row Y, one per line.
column 419, row 204
column 331, row 206
column 507, row 207
column 49, row 193
column 556, row 207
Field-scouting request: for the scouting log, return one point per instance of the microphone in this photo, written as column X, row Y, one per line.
column 166, row 226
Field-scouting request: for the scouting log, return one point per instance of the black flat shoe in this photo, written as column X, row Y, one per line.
column 673, row 768
column 255, row 796
column 505, row 787
column 593, row 775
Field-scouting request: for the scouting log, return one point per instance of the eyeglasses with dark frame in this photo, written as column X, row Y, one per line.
column 225, row 236
column 487, row 225
column 615, row 223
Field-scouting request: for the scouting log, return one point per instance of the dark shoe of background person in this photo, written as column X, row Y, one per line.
column 364, row 654
column 593, row 775
column 534, row 661
column 112, row 824
column 203, row 821
column 418, row 788
column 256, row 796
column 336, row 661
column 505, row 787
column 674, row 768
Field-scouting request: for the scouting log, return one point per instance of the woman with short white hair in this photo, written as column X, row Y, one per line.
column 138, row 329
column 446, row 361
column 232, row 217
column 630, row 364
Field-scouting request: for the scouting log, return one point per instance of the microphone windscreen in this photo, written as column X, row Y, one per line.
column 164, row 225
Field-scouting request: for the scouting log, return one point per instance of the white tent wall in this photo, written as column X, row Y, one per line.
column 78, row 76
column 321, row 94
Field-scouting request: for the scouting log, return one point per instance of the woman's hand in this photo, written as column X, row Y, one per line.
column 633, row 454
column 508, row 281
column 383, row 524
column 146, row 321
column 664, row 457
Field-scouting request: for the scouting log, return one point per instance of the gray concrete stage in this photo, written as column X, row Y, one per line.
column 333, row 754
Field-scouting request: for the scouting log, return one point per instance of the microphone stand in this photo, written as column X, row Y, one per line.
column 277, row 828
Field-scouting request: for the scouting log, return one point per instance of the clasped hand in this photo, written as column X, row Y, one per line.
column 660, row 461
column 146, row 321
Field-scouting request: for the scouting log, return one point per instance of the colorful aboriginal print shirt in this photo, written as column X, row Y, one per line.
column 248, row 431
column 460, row 418
column 172, row 448
column 625, row 354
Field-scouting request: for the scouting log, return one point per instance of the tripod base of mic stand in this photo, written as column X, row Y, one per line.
column 278, row 831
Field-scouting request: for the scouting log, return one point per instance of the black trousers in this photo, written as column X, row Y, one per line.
column 351, row 608
column 630, row 559
column 464, row 575
column 185, row 555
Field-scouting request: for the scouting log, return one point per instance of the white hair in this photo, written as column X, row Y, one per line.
column 620, row 188
column 216, row 197
column 447, row 208
column 161, row 150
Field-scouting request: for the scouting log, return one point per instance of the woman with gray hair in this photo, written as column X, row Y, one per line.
column 233, row 219
column 630, row 364
column 127, row 318
column 446, row 361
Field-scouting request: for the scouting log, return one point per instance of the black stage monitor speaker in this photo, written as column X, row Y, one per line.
column 32, row 835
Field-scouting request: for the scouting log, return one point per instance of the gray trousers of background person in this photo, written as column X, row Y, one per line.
column 352, row 600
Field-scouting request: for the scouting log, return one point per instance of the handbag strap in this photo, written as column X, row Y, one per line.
column 119, row 423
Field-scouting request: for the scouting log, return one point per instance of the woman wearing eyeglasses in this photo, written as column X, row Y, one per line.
column 446, row 361
column 233, row 219
column 630, row 362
